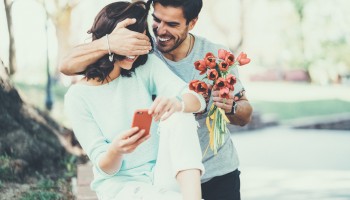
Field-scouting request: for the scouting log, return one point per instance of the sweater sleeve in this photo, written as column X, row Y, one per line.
column 85, row 128
column 165, row 83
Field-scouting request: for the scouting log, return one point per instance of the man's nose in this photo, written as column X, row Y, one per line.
column 161, row 28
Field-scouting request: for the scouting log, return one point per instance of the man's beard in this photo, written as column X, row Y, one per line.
column 160, row 48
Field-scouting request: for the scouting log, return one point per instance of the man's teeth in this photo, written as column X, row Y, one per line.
column 163, row 39
column 130, row 57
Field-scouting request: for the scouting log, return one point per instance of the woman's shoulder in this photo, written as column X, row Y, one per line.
column 152, row 63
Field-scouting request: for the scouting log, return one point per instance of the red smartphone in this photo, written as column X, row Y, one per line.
column 142, row 120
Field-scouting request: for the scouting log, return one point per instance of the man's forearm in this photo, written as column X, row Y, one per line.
column 83, row 55
column 243, row 113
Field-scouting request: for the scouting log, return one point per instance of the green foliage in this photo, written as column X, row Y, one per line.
column 6, row 172
column 338, row 50
column 293, row 110
column 71, row 166
column 45, row 189
column 299, row 6
column 41, row 195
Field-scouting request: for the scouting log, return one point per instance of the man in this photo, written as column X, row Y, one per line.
column 179, row 49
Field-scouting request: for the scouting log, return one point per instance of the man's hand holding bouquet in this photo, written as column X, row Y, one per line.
column 221, row 82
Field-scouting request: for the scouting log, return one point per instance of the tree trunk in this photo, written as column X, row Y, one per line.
column 12, row 52
column 30, row 140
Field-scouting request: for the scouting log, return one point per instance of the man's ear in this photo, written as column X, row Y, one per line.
column 192, row 23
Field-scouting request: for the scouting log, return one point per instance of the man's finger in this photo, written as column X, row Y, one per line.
column 215, row 93
column 217, row 99
column 126, row 22
column 141, row 36
column 223, row 106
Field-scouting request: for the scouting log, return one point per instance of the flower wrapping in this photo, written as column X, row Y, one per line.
column 216, row 70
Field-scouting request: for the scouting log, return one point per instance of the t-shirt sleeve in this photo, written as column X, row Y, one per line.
column 85, row 128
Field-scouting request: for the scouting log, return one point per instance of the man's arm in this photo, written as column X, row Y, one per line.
column 243, row 113
column 244, row 110
column 122, row 41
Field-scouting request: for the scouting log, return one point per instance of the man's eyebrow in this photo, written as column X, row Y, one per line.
column 169, row 23
column 154, row 16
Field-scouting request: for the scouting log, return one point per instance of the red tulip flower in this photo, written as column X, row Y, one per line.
column 223, row 66
column 222, row 53
column 200, row 66
column 192, row 85
column 220, row 83
column 224, row 93
column 209, row 54
column 231, row 81
column 210, row 60
column 212, row 74
column 242, row 59
column 201, row 88
column 230, row 59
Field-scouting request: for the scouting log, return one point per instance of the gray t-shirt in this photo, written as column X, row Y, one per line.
column 226, row 159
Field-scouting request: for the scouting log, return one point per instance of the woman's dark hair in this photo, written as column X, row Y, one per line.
column 105, row 22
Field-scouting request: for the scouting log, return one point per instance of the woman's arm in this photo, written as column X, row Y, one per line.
column 127, row 142
column 107, row 157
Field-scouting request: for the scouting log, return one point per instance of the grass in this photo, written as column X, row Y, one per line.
column 6, row 170
column 293, row 110
column 45, row 189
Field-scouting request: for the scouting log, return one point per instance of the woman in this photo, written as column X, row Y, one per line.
column 101, row 106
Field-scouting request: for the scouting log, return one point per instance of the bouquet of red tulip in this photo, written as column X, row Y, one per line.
column 217, row 71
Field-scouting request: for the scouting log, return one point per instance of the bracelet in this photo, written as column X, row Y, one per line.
column 233, row 109
column 182, row 106
column 109, row 50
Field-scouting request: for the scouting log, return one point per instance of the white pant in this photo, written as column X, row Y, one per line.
column 179, row 150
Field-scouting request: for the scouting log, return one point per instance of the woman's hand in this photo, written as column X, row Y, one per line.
column 163, row 107
column 128, row 141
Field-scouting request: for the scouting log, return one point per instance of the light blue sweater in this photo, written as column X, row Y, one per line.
column 99, row 113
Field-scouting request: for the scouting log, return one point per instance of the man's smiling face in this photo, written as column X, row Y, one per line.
column 169, row 27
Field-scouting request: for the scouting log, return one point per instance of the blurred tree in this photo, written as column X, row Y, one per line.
column 222, row 25
column 59, row 13
column 299, row 6
column 12, row 52
column 30, row 140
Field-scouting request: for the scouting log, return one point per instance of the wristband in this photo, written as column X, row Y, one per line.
column 233, row 109
column 109, row 50
column 182, row 106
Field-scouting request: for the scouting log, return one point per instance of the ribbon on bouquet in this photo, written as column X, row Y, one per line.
column 214, row 128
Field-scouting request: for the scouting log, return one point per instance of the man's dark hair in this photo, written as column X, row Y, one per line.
column 191, row 8
column 105, row 22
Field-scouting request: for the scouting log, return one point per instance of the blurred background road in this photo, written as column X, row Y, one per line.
column 291, row 164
